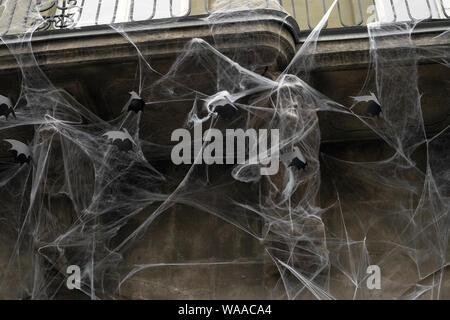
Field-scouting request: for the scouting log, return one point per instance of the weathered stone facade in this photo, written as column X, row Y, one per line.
column 204, row 256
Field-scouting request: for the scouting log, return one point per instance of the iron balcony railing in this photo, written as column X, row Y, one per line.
column 19, row 15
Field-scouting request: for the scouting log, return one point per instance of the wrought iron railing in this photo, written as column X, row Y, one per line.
column 19, row 15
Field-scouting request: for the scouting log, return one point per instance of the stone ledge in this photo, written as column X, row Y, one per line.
column 272, row 30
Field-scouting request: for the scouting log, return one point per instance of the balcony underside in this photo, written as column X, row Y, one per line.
column 97, row 65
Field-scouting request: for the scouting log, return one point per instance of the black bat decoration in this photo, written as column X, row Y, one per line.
column 21, row 151
column 135, row 104
column 226, row 111
column 374, row 108
column 224, row 108
column 121, row 139
column 222, row 104
column 6, row 107
column 299, row 164
column 297, row 159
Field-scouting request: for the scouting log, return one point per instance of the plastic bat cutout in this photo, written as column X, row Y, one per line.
column 222, row 104
column 21, row 151
column 121, row 139
column 135, row 104
column 295, row 158
column 6, row 107
column 226, row 111
column 374, row 108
